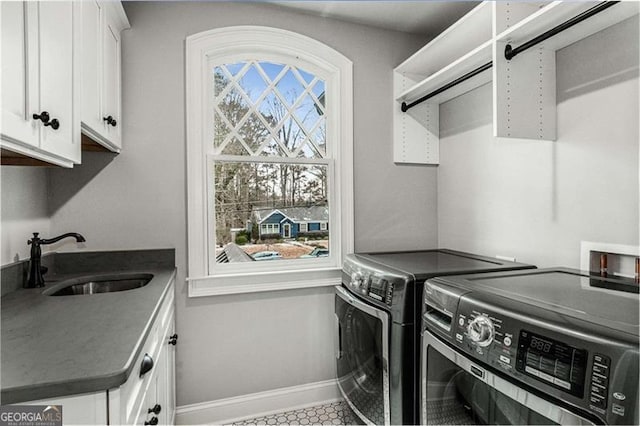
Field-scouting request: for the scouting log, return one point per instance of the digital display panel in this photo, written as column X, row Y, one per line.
column 378, row 289
column 540, row 345
column 552, row 362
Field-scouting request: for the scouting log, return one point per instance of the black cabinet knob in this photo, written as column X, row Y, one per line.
column 173, row 340
column 55, row 124
column 146, row 365
column 155, row 410
column 43, row 116
column 153, row 421
column 110, row 120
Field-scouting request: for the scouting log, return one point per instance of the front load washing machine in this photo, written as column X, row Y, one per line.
column 378, row 327
column 549, row 346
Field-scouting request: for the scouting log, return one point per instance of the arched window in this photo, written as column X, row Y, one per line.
column 270, row 155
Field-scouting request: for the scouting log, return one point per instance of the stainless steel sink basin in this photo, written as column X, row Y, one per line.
column 96, row 284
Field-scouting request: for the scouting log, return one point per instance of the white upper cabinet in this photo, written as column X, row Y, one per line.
column 91, row 60
column 58, row 95
column 102, row 22
column 40, row 82
column 16, row 99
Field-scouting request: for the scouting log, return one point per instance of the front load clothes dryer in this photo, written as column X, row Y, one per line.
column 378, row 327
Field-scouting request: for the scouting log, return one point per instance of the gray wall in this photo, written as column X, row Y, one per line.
column 537, row 200
column 24, row 210
column 234, row 345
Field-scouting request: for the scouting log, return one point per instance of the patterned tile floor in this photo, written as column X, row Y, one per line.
column 336, row 413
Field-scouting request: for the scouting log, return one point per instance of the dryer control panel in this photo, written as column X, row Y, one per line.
column 369, row 282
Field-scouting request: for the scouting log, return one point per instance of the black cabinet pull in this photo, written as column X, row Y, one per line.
column 43, row 116
column 152, row 422
column 146, row 365
column 110, row 120
column 155, row 410
column 55, row 124
column 173, row 340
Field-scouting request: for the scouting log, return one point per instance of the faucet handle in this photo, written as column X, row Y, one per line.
column 35, row 238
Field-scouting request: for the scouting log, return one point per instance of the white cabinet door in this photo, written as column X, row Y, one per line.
column 131, row 403
column 40, row 74
column 111, row 90
column 92, row 21
column 57, row 75
column 85, row 409
column 19, row 73
column 102, row 22
column 145, row 416
column 170, row 374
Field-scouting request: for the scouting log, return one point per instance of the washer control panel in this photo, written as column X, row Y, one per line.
column 481, row 331
column 599, row 390
column 552, row 361
column 485, row 335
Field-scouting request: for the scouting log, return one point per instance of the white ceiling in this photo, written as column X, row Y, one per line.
column 426, row 17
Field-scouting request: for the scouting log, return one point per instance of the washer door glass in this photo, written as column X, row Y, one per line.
column 361, row 359
column 454, row 396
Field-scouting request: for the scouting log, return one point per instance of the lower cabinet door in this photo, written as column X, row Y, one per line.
column 153, row 410
column 170, row 374
column 147, row 415
column 84, row 409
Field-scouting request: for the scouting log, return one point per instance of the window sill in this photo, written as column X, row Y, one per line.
column 262, row 282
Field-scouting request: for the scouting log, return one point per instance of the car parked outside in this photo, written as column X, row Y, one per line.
column 318, row 252
column 266, row 255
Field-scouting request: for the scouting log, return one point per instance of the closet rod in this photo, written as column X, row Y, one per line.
column 447, row 86
column 510, row 52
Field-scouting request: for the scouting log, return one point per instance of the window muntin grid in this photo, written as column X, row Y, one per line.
column 267, row 109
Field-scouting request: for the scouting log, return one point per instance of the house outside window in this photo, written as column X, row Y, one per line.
column 269, row 150
column 269, row 229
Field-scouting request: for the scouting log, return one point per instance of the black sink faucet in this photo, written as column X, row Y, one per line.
column 35, row 271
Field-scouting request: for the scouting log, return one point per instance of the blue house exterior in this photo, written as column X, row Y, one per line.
column 292, row 222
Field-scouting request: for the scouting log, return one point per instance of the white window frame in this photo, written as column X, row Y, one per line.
column 240, row 43
column 323, row 226
column 306, row 227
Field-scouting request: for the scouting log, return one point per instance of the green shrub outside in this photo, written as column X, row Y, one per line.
column 241, row 240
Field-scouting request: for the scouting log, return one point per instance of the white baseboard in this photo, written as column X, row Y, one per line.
column 229, row 410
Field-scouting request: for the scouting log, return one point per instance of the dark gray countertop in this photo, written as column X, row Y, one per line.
column 57, row 346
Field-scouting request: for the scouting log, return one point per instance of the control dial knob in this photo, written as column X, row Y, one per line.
column 481, row 331
column 357, row 279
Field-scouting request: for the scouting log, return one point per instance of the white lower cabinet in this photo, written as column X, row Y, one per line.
column 85, row 409
column 144, row 399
